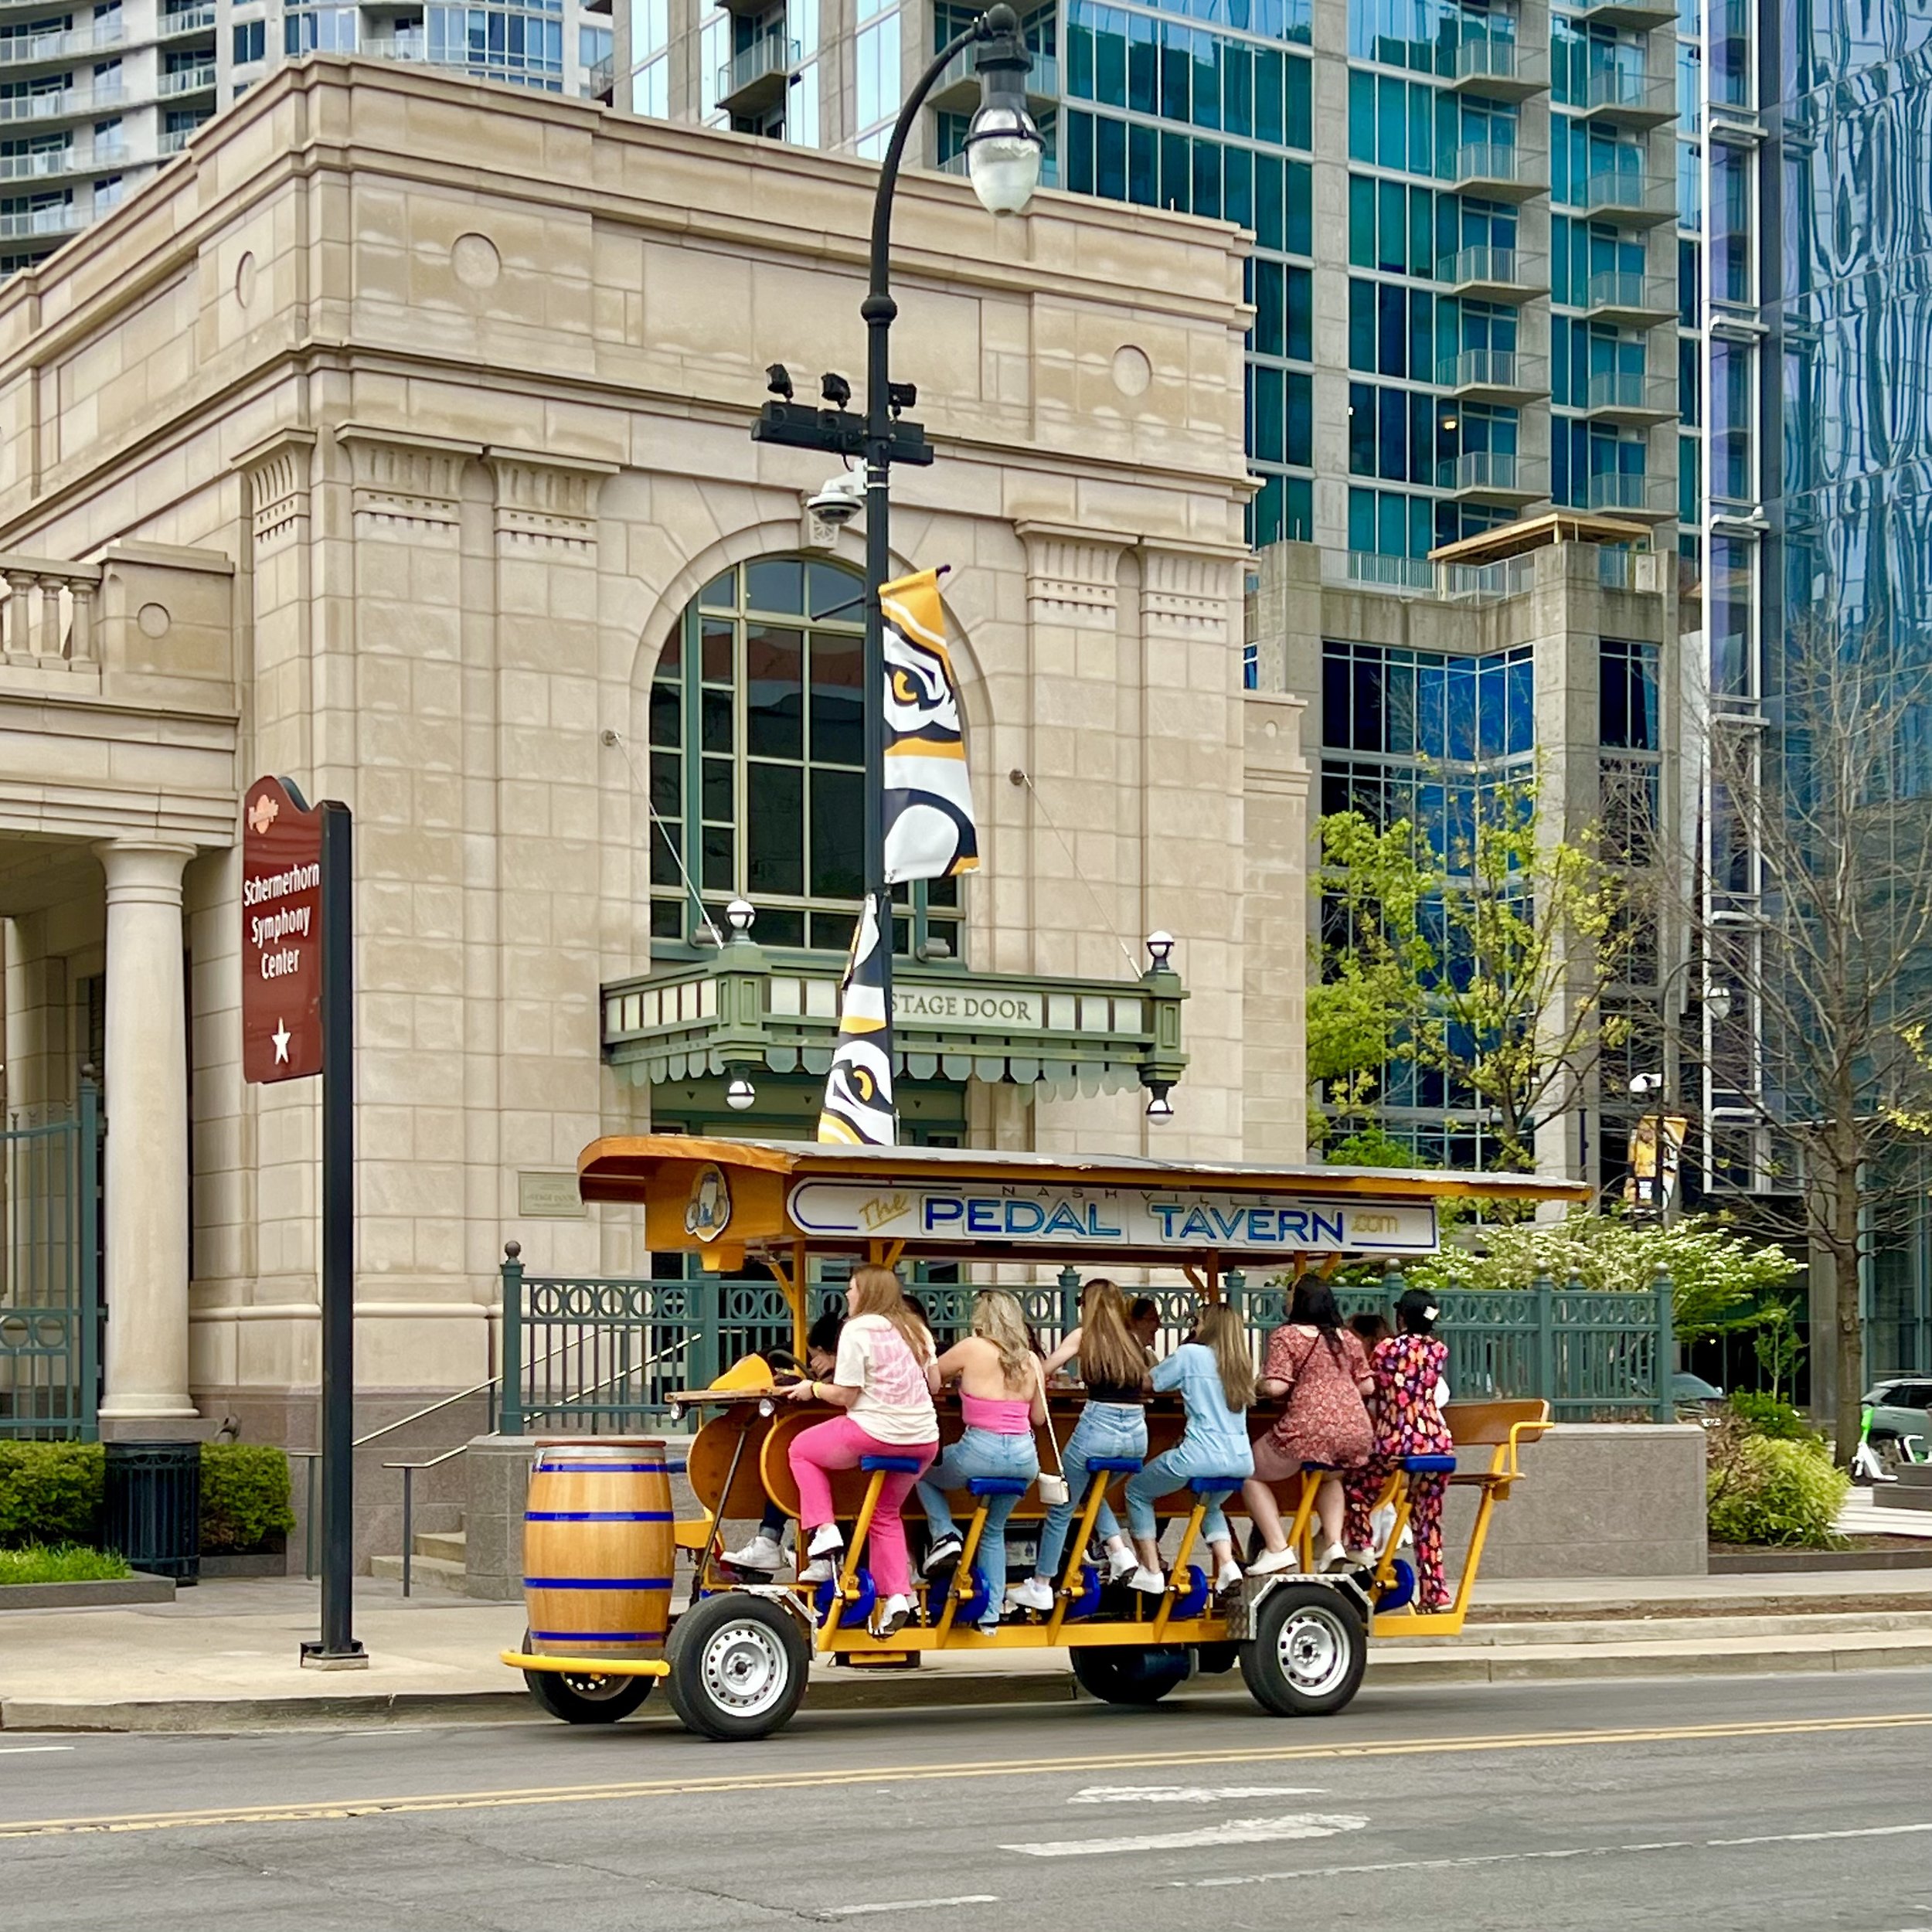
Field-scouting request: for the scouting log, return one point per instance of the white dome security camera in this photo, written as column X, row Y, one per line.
column 839, row 498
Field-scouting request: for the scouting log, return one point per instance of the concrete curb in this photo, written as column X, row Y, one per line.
column 108, row 1590
column 932, row 1690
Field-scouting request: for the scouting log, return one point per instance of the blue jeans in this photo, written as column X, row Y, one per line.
column 980, row 1452
column 1174, row 1469
column 1106, row 1430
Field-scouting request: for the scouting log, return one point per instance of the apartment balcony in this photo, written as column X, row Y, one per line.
column 184, row 20
column 600, row 80
column 1630, row 396
column 1495, row 476
column 64, row 105
column 52, row 164
column 1391, row 573
column 1630, row 196
column 957, row 89
column 1642, row 16
column 1487, row 273
column 197, row 80
column 1617, row 97
column 1486, row 583
column 1494, row 376
column 34, row 222
column 173, row 140
column 1629, row 298
column 1628, row 495
column 405, row 46
column 1498, row 67
column 1498, row 172
column 19, row 49
column 755, row 77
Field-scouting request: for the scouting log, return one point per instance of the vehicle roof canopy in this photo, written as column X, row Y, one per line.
column 718, row 1198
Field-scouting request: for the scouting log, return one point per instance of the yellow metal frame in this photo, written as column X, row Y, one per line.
column 588, row 1666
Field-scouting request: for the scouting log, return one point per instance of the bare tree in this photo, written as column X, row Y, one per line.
column 1815, row 924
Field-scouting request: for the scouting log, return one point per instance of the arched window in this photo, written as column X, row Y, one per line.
column 757, row 765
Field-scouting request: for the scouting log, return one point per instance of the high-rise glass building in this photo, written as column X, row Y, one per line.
column 94, row 97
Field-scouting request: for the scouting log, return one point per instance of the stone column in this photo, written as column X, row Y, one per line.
column 146, row 1081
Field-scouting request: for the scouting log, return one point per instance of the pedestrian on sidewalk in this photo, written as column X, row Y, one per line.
column 1408, row 1368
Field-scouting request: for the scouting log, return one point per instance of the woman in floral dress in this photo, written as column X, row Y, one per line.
column 1408, row 1368
column 1321, row 1367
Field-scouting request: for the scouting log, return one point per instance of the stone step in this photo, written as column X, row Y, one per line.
column 1902, row 1495
column 425, row 1572
column 450, row 1545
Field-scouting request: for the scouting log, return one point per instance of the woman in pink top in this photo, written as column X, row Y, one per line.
column 885, row 1358
column 1003, row 1394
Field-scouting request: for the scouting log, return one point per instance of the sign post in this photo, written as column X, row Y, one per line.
column 298, row 940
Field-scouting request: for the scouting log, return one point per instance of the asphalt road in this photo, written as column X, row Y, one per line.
column 1714, row 1803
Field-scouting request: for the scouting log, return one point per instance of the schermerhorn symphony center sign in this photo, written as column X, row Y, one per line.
column 281, row 935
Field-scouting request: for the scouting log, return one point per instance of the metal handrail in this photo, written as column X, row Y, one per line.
column 409, row 1469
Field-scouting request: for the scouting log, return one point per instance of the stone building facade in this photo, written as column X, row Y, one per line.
column 386, row 442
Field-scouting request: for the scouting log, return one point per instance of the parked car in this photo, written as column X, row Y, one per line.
column 1901, row 1410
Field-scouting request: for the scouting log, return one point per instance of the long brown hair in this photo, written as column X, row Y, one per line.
column 1222, row 1329
column 997, row 1318
column 880, row 1291
column 1109, row 1354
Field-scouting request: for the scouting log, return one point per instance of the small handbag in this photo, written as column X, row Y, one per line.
column 1053, row 1489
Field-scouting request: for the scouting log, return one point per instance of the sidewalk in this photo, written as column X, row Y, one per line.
column 223, row 1657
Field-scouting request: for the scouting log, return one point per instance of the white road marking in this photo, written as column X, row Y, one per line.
column 908, row 1905
column 1234, row 1831
column 24, row 1751
column 1187, row 1794
column 1478, row 1859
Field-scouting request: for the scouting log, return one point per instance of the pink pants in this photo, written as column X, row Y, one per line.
column 837, row 1445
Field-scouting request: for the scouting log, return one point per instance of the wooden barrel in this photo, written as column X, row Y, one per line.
column 598, row 1548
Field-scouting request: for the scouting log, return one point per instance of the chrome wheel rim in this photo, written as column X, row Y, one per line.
column 745, row 1669
column 1314, row 1649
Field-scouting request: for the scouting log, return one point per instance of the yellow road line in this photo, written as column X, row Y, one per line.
column 331, row 1808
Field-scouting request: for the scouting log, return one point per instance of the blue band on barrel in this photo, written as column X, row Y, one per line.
column 597, row 1636
column 604, row 1468
column 596, row 1583
column 598, row 1516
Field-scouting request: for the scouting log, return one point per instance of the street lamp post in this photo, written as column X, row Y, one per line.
column 1003, row 155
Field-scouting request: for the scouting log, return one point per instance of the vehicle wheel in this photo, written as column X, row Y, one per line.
column 738, row 1667
column 586, row 1697
column 1215, row 1660
column 1307, row 1653
column 1130, row 1676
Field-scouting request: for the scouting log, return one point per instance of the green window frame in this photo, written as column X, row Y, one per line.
column 757, row 767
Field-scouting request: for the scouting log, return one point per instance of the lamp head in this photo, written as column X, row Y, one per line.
column 1160, row 1109
column 739, row 1094
column 739, row 915
column 1003, row 148
column 1160, row 945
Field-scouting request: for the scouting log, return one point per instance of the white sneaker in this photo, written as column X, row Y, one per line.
column 1034, row 1594
column 1333, row 1561
column 1149, row 1583
column 820, row 1569
column 1227, row 1576
column 1270, row 1561
column 1360, row 1558
column 1121, row 1563
column 826, row 1540
column 762, row 1552
column 893, row 1615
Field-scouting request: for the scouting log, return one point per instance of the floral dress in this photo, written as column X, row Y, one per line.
column 1407, row 1423
column 1323, row 1421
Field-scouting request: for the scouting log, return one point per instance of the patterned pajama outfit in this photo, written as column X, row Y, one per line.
column 1407, row 1423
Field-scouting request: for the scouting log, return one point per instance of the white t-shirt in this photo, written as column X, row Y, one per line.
column 894, row 1404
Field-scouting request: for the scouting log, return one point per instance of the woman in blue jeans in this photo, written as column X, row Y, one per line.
column 1113, row 1425
column 1002, row 1395
column 1214, row 1374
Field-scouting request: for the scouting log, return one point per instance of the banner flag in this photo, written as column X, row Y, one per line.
column 857, row 1107
column 928, row 811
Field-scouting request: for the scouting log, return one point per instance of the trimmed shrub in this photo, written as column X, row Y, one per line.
column 244, row 1496
column 1764, row 1489
column 50, row 1493
column 1763, row 1415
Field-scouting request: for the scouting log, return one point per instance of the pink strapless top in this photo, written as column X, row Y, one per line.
column 996, row 1415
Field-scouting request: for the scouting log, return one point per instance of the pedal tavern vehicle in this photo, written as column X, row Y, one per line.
column 736, row 1658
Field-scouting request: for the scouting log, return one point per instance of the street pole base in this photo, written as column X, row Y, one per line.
column 318, row 1656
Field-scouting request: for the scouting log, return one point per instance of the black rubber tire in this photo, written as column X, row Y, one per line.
column 739, row 1665
column 1126, row 1676
column 586, row 1700
column 1308, row 1652
column 1216, row 1660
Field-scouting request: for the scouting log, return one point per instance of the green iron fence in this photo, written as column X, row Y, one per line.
column 50, row 1274
column 597, row 1353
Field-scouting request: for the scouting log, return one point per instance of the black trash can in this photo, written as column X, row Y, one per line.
column 151, row 1512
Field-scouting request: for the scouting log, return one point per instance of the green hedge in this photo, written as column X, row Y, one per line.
column 50, row 1492
column 1763, row 1489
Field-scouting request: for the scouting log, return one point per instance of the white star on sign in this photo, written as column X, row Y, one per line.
column 280, row 1036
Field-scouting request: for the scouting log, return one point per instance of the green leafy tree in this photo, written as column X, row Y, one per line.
column 1489, row 967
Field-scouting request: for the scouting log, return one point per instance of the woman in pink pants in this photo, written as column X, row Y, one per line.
column 883, row 1381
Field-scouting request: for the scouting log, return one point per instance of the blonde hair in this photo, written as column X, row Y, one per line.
column 880, row 1291
column 1109, row 1353
column 1222, row 1329
column 997, row 1318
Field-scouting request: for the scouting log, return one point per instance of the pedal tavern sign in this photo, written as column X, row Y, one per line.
column 281, row 893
